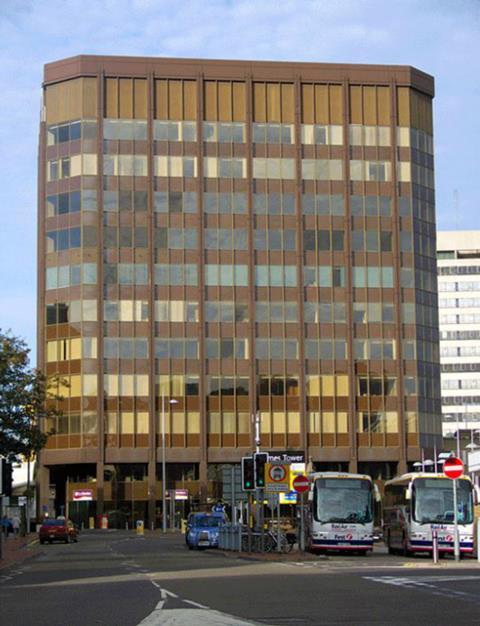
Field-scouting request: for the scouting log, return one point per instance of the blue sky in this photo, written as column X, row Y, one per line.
column 441, row 37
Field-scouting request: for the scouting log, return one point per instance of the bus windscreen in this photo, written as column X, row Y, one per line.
column 433, row 501
column 343, row 500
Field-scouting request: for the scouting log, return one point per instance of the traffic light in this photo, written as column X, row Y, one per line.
column 248, row 474
column 260, row 458
column 6, row 473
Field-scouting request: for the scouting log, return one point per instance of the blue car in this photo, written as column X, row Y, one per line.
column 202, row 530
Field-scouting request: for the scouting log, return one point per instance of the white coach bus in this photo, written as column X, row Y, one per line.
column 340, row 512
column 416, row 504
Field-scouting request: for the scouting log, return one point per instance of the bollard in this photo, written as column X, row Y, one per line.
column 435, row 546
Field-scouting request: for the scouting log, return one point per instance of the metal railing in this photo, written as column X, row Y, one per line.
column 240, row 538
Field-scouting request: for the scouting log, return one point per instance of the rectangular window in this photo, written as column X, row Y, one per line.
column 273, row 168
column 322, row 169
column 124, row 129
column 215, row 167
column 273, row 133
column 175, row 166
column 174, row 131
column 224, row 132
column 322, row 135
column 224, row 203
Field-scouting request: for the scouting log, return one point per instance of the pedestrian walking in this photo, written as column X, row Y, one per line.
column 16, row 526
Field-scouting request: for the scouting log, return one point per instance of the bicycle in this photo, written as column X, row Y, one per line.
column 287, row 541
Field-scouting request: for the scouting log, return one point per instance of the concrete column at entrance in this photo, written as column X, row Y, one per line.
column 43, row 490
column 152, row 496
column 100, row 488
column 203, row 482
column 353, row 466
column 402, row 467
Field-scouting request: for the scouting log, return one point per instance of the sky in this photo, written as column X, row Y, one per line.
column 440, row 37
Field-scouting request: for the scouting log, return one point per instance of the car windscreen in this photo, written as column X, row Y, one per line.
column 206, row 520
column 54, row 522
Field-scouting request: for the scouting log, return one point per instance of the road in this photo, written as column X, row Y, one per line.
column 118, row 579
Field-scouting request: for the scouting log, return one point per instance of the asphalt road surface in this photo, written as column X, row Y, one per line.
column 119, row 579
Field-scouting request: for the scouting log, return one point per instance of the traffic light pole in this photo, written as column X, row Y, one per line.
column 259, row 492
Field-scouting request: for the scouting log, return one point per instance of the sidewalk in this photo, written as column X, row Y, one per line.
column 16, row 550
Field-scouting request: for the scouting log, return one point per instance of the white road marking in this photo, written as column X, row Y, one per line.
column 196, row 604
column 192, row 617
column 430, row 584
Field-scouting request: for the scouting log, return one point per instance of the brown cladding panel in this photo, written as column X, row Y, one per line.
column 224, row 90
column 125, row 98
column 210, row 104
column 403, row 106
column 322, row 108
column 336, row 104
column 356, row 108
column 274, row 108
column 161, row 99
column 308, row 110
column 288, row 103
column 383, row 106
column 140, row 99
column 239, row 102
column 189, row 100
column 111, row 98
column 421, row 111
column 259, row 102
column 71, row 100
column 175, row 100
column 369, row 106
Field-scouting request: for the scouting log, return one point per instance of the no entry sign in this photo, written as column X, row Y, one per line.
column 453, row 468
column 300, row 484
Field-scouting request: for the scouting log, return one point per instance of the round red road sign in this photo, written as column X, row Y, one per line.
column 277, row 473
column 300, row 484
column 453, row 467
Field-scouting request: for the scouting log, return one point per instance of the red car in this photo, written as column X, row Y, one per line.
column 57, row 530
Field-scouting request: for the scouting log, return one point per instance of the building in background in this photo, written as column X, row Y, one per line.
column 458, row 259
column 218, row 238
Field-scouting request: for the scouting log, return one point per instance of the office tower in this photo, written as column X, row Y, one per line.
column 220, row 238
column 458, row 259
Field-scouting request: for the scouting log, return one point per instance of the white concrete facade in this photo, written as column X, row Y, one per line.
column 458, row 254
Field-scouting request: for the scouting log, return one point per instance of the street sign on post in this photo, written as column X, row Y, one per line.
column 453, row 469
column 300, row 484
column 277, row 477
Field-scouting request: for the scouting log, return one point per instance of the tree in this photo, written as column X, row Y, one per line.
column 27, row 397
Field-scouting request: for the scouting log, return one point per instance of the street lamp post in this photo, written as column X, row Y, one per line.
column 164, row 466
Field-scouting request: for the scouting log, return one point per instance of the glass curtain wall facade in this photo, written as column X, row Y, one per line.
column 220, row 238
